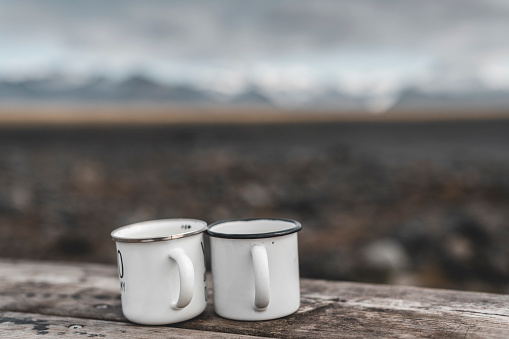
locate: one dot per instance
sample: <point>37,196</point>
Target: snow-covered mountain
<point>143,89</point>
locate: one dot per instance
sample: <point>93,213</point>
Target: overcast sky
<point>374,45</point>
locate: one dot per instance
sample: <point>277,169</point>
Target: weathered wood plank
<point>337,309</point>
<point>81,290</point>
<point>29,325</point>
<point>408,298</point>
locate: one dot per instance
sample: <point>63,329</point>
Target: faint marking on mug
<point>122,286</point>
<point>185,227</point>
<point>121,265</point>
<point>202,248</point>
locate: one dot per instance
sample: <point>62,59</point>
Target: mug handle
<point>186,273</point>
<point>261,275</point>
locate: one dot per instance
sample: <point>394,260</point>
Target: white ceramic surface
<point>255,268</point>
<point>161,267</point>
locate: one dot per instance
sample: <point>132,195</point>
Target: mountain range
<point>141,89</point>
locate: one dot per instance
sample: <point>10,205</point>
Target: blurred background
<point>382,126</point>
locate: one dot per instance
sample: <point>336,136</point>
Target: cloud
<point>200,40</point>
<point>229,29</point>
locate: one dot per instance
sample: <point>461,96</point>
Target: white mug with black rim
<point>161,266</point>
<point>255,268</point>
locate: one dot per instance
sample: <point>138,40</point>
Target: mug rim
<point>296,227</point>
<point>154,239</point>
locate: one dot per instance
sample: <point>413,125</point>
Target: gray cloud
<point>254,29</point>
<point>460,38</point>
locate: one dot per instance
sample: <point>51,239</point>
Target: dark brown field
<point>422,202</point>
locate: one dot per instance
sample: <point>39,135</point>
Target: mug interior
<point>253,228</point>
<point>158,230</point>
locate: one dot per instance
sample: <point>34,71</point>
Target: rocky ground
<point>410,203</point>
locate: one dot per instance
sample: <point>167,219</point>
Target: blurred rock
<point>255,195</point>
<point>459,247</point>
<point>87,175</point>
<point>386,254</point>
<point>22,196</point>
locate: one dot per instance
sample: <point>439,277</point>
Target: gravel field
<point>422,204</point>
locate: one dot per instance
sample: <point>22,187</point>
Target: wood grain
<point>328,309</point>
<point>27,325</point>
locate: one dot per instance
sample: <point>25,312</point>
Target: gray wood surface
<point>58,293</point>
<point>28,325</point>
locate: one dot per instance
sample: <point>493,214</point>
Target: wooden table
<point>83,301</point>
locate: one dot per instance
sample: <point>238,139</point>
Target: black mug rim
<point>296,227</point>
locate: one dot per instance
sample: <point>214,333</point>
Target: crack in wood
<point>481,313</point>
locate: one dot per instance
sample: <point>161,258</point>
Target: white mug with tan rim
<point>255,268</point>
<point>161,266</point>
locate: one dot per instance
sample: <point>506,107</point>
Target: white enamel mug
<point>161,266</point>
<point>255,268</point>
